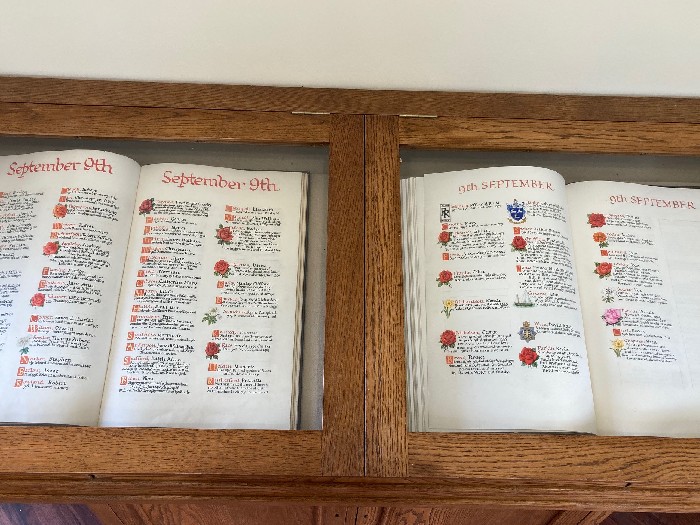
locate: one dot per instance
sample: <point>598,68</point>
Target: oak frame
<point>544,470</point>
<point>69,463</point>
<point>344,463</point>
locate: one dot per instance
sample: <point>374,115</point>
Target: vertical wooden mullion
<point>343,437</point>
<point>386,438</point>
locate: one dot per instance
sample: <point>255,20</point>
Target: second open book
<point>532,305</point>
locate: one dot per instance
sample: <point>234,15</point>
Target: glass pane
<point>643,169</point>
<point>507,269</point>
<point>311,160</point>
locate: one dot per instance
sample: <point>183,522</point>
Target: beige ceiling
<point>557,46</point>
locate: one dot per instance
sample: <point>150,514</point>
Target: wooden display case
<point>363,454</point>
<point>71,463</point>
<point>559,471</point>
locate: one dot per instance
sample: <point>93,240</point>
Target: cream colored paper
<point>479,382</point>
<point>66,217</point>
<point>160,372</point>
<point>645,359</point>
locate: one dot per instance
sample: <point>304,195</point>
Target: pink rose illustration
<point>612,316</point>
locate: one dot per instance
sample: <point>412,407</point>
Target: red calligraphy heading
<point>507,184</point>
<point>652,202</point>
<point>20,170</point>
<point>218,181</point>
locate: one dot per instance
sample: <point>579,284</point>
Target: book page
<point>638,271</point>
<point>207,322</point>
<point>505,339</point>
<point>64,225</point>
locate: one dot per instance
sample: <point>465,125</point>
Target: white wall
<point>560,46</point>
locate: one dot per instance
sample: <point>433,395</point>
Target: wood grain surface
<point>551,135</point>
<point>553,457</point>
<point>415,474</point>
<point>343,441</point>
<point>78,450</point>
<point>211,514</point>
<point>348,101</point>
<point>105,122</point>
<point>424,492</point>
<point>248,514</point>
<point>386,368</point>
<point>453,516</point>
<point>105,514</point>
<point>91,451</point>
<point>644,518</point>
<point>573,517</point>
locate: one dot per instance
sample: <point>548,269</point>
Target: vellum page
<point>504,331</point>
<point>637,263</point>
<point>206,325</point>
<point>64,225</point>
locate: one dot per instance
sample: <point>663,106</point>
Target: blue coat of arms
<point>527,333</point>
<point>516,212</point>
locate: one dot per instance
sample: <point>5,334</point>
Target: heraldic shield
<point>516,212</point>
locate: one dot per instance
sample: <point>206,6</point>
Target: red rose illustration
<point>224,234</point>
<point>222,268</point>
<point>528,356</point>
<point>603,269</point>
<point>146,207</point>
<point>596,220</point>
<point>444,278</point>
<point>211,350</point>
<point>60,210</point>
<point>37,299</point>
<point>444,237</point>
<point>519,243</point>
<point>448,339</point>
<point>51,248</point>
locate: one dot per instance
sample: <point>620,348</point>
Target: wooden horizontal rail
<point>551,135</point>
<point>352,491</point>
<point>75,450</point>
<point>555,457</point>
<point>348,101</point>
<point>46,120</point>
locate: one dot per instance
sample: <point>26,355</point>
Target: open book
<point>532,305</point>
<point>163,295</point>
